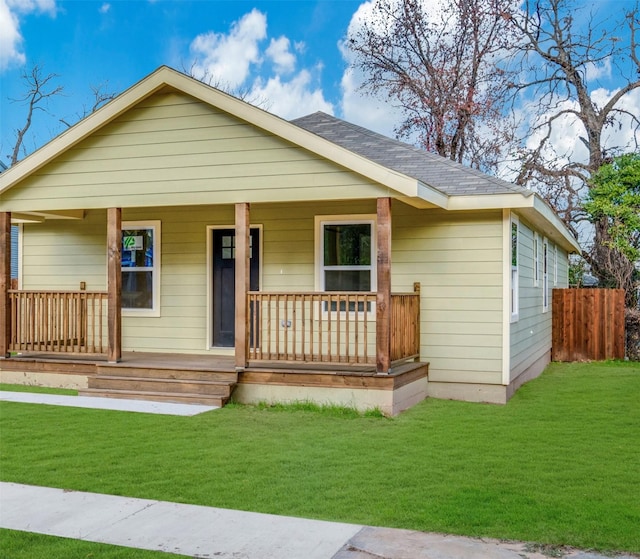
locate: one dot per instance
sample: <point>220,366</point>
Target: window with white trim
<point>545,275</point>
<point>555,264</point>
<point>515,224</point>
<point>141,268</point>
<point>536,260</point>
<point>346,254</point>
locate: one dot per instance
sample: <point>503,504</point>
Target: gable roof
<point>449,177</point>
<point>405,187</point>
<point>409,174</point>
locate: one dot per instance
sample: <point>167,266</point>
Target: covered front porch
<point>280,336</point>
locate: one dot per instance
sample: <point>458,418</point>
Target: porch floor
<point>195,362</point>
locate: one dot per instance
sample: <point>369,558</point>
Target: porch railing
<point>58,321</point>
<point>332,327</point>
<point>405,324</point>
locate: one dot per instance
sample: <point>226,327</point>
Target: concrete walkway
<point>209,532</point>
<point>138,406</point>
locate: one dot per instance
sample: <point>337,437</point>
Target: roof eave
<point>531,206</point>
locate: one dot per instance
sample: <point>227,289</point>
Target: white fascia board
<point>433,196</point>
<point>531,206</point>
<point>555,227</point>
<point>490,201</point>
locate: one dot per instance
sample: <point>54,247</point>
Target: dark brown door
<point>224,285</point>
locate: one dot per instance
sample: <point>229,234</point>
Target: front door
<point>224,282</point>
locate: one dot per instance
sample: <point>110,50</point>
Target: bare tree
<point>39,89</point>
<point>242,93</point>
<point>559,53</point>
<point>100,97</point>
<point>440,62</point>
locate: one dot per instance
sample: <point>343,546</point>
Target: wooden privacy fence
<point>58,321</point>
<point>588,324</point>
<point>329,327</point>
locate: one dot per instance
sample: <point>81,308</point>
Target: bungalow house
<point>181,244</point>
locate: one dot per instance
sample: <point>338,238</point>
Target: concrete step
<point>178,398</point>
<point>217,388</point>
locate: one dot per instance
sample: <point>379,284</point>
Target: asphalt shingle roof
<point>441,173</point>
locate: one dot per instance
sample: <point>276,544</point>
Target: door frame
<point>209,275</point>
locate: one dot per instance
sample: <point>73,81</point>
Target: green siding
<point>457,258</point>
<point>531,333</point>
<point>171,147</point>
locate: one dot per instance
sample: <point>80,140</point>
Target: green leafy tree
<point>614,199</point>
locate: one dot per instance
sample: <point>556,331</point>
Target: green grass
<point>559,464</point>
<point>26,545</point>
<point>38,389</point>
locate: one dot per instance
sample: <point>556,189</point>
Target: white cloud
<point>564,141</point>
<point>28,6</point>
<point>237,60</point>
<point>293,98</point>
<point>598,71</point>
<point>621,136</point>
<point>283,59</point>
<point>10,38</point>
<point>228,58</point>
<point>365,110</point>
<point>11,41</point>
<point>105,8</point>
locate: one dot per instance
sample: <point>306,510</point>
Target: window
<point>346,255</point>
<point>536,260</point>
<point>141,267</point>
<point>555,265</point>
<point>514,268</point>
<point>545,276</point>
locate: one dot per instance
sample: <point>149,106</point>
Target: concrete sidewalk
<point>199,531</point>
<point>93,402</point>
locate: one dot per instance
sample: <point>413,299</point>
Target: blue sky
<point>286,53</point>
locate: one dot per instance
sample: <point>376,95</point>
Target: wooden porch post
<point>114,284</point>
<point>5,282</point>
<point>242,271</point>
<point>383,297</point>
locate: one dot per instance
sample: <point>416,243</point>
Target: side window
<point>141,268</point>
<point>536,260</point>
<point>545,275</point>
<point>514,268</point>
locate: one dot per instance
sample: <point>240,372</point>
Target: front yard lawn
<point>559,464</point>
